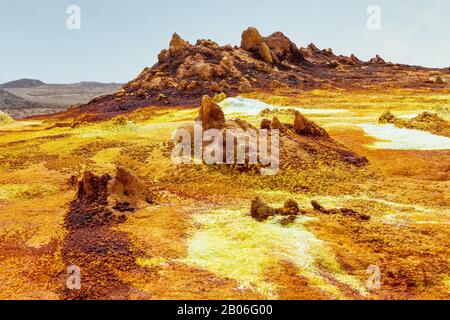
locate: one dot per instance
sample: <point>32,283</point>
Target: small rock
<point>215,87</point>
<point>245,86</point>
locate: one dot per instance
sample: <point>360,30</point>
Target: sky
<point>117,39</point>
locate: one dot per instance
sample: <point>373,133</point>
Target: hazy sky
<point>119,38</point>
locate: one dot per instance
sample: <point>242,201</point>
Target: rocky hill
<point>14,105</point>
<point>185,72</point>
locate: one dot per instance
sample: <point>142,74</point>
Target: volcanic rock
<point>184,73</point>
<point>260,210</point>
<point>282,48</point>
<point>101,199</point>
<point>377,60</point>
<point>342,211</point>
<point>251,39</point>
<point>177,44</point>
<point>245,86</point>
<point>211,115</point>
<point>215,87</point>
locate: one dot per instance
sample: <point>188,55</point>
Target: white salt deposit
<point>394,138</point>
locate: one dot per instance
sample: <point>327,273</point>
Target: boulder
<point>211,115</point>
<point>260,210</point>
<point>282,48</point>
<point>251,39</point>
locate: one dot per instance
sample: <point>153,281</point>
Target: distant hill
<point>22,83</point>
<point>21,98</point>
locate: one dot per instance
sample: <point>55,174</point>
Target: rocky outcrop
<point>387,117</point>
<point>306,142</point>
<point>265,53</point>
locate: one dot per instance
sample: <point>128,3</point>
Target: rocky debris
<point>126,188</point>
<point>276,124</point>
<point>438,80</point>
<point>425,121</point>
<point>101,199</point>
<point>341,211</point>
<point>260,211</point>
<point>215,87</point>
<point>304,126</point>
<point>211,115</point>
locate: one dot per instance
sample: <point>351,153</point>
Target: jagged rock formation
<point>425,121</point>
<point>185,72</point>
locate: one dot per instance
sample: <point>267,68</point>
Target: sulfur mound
<point>5,118</point>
